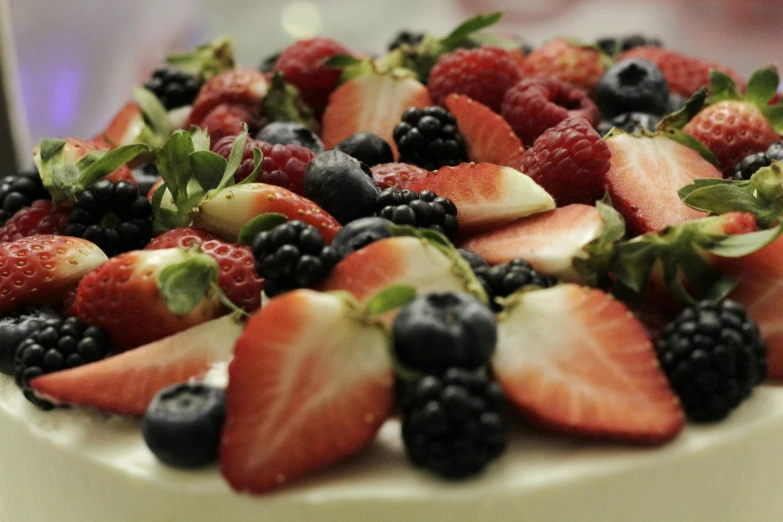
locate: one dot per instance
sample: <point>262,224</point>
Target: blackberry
<point>429,138</point>
<point>505,279</point>
<point>405,38</point>
<point>474,260</point>
<point>17,192</point>
<point>292,255</point>
<point>750,165</point>
<point>453,425</point>
<point>422,210</point>
<point>113,216</point>
<point>174,88</point>
<point>15,327</point>
<point>57,344</point>
<point>713,356</point>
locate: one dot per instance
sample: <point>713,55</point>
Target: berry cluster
<point>754,162</point>
<point>429,138</point>
<point>18,192</point>
<point>504,279</point>
<point>174,88</point>
<point>422,210</point>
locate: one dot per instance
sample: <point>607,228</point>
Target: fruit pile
<point>460,230</point>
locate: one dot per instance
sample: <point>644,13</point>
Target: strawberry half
<point>125,127</point>
<point>488,137</point>
<point>234,86</point>
<point>597,378</point>
<point>486,195</point>
<point>126,383</point>
<point>311,382</point>
<point>399,175</point>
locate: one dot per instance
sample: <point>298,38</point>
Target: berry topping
<point>174,88</point>
<point>18,192</point>
<point>366,147</point>
<point>57,344</point>
<point>429,138</point>
<point>505,279</point>
<point>183,423</point>
<point>453,425</point>
<point>17,325</point>
<point>422,210</point>
<point>360,233</point>
<point>290,133</point>
<point>405,37</point>
<point>113,216</point>
<point>629,122</point>
<point>633,85</point>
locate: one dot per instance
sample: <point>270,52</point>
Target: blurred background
<point>71,64</point>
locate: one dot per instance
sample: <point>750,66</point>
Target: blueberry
<point>368,148</point>
<point>183,424</point>
<point>438,331</point>
<point>288,132</point>
<point>474,260</point>
<point>341,185</point>
<point>632,86</point>
<point>360,233</point>
<point>17,325</point>
<point>630,123</point>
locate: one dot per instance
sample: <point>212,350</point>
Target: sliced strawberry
<point>235,86</point>
<point>226,212</point>
<point>126,383</point>
<point>399,175</point>
<point>598,377</point>
<point>125,127</point>
<point>550,241</point>
<point>645,175</point>
<point>486,195</point>
<point>488,137</point>
<point>310,384</point>
<point>371,103</point>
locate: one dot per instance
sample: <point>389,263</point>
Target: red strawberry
<point>68,308</point>
<point>570,161</point>
<point>40,270</point>
<point>226,119</point>
<point>126,383</point>
<point>226,212</point>
<point>124,128</point>
<point>371,103</point>
<point>486,195</point>
<point>302,65</point>
<point>484,74</point>
<point>535,105</point>
<point>244,87</point>
<point>238,278</point>
<point>127,297</point>
<point>155,186</point>
<point>398,175</point>
<point>488,137</point>
<point>645,175</point>
<point>581,66</point>
<point>309,385</point>
<point>39,218</point>
<point>76,148</point>
<point>550,241</point>
<point>597,378</point>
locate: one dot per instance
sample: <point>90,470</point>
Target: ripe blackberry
<point>714,356</point>
<point>474,259</point>
<point>505,279</point>
<point>17,192</point>
<point>453,425</point>
<point>405,37</point>
<point>174,88</point>
<point>750,165</point>
<point>56,345</point>
<point>292,255</point>
<point>422,210</point>
<point>428,138</point>
<point>113,216</point>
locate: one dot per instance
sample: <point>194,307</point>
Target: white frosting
<point>80,466</point>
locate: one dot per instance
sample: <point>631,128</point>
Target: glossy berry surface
<point>750,165</point>
<point>421,210</point>
<point>633,85</point>
<point>18,192</point>
<point>429,138</point>
<point>15,327</point>
<point>360,233</point>
<point>174,88</point>
<point>183,424</point>
<point>505,279</point>
<point>366,147</point>
<point>290,133</point>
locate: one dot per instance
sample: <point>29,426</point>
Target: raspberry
<point>226,120</point>
<point>302,65</point>
<point>35,220</point>
<point>533,106</point>
<point>283,165</point>
<point>483,74</point>
<point>570,161</point>
<point>399,175</point>
<point>580,66</point>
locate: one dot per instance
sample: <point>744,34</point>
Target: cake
<point>266,316</point>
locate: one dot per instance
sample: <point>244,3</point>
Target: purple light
<point>63,96</point>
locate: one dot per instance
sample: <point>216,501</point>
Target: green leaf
<point>468,27</point>
<point>200,138</point>
<point>390,298</point>
<point>719,199</point>
<point>108,163</point>
<point>720,289</point>
<point>49,148</point>
<point>173,161</point>
<point>774,113</point>
<point>704,182</point>
<point>259,224</point>
<point>740,245</point>
<point>723,87</point>
<point>768,182</point>
<point>206,60</point>
<point>234,159</point>
<point>284,103</point>
<point>632,264</point>
<point>154,111</point>
<point>341,61</point>
<point>762,86</point>
<point>678,119</point>
<point>258,157</point>
<point>64,178</point>
<point>208,168</point>
<point>184,285</point>
<point>614,224</point>
<point>691,142</point>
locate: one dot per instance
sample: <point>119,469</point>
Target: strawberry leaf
<point>283,102</point>
<point>206,60</point>
<point>458,36</point>
<point>390,298</point>
<point>722,198</point>
<point>774,114</point>
<point>106,163</point>
<point>64,179</point>
<point>707,182</point>
<point>743,244</point>
<point>208,168</point>
<point>50,148</point>
<point>258,157</point>
<point>234,159</point>
<point>154,113</point>
<point>678,119</point>
<point>258,224</point>
<point>632,265</point>
<point>174,164</point>
<point>600,252</point>
<point>762,86</point>
<point>184,285</point>
<point>338,61</point>
<point>723,88</point>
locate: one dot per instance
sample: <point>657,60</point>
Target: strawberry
<point>310,384</point>
<point>644,177</point>
<point>226,212</point>
<point>42,217</point>
<point>142,296</point>
<point>237,279</point>
<point>126,383</point>
<point>246,87</point>
<point>40,270</point>
<point>371,103</point>
<point>597,378</point>
<point>125,127</point>
<point>581,66</point>
<point>488,137</point>
<point>486,195</point>
<point>226,119</point>
<point>155,186</point>
<point>398,175</point>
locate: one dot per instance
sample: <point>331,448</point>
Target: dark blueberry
<point>360,233</point>
<point>268,65</point>
<point>173,87</point>
<point>341,185</point>
<point>630,123</point>
<point>405,38</point>
<point>146,176</point>
<point>422,210</point>
<point>632,85</point>
<point>18,192</point>
<point>15,327</point>
<point>183,424</point>
<point>750,165</point>
<point>444,330</point>
<point>505,279</point>
<point>429,138</point>
<point>290,132</point>
<point>368,148</point>
<point>775,151</point>
<point>474,260</point>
